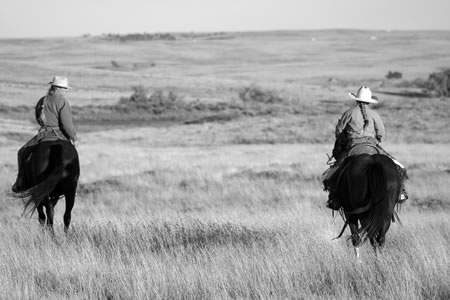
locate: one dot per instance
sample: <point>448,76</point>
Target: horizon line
<point>223,31</point>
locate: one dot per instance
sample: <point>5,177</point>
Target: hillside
<point>308,73</point>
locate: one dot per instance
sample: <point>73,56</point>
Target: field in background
<point>224,208</point>
<point>308,75</point>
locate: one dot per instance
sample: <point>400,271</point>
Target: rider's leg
<point>22,156</point>
<point>330,186</point>
<point>332,203</point>
<point>403,177</point>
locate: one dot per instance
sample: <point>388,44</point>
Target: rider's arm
<point>380,131</point>
<point>342,123</point>
<point>65,116</point>
<point>37,111</point>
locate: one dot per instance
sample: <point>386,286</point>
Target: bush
<point>115,64</point>
<point>256,94</point>
<point>394,75</point>
<point>139,94</point>
<point>439,83</point>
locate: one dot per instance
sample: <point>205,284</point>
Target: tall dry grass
<point>222,222</point>
<point>292,257</point>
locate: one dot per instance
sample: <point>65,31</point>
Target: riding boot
<point>329,185</point>
<point>332,203</point>
<point>18,185</point>
<point>21,157</point>
<point>403,177</point>
<point>403,193</point>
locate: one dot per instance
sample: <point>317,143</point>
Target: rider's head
<point>364,95</point>
<point>58,83</point>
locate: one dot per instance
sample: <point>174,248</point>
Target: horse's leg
<point>41,214</point>
<point>381,238</point>
<point>356,239</point>
<point>50,211</point>
<point>374,243</point>
<point>378,241</point>
<point>70,201</point>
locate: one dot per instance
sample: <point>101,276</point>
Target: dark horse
<point>368,189</point>
<point>52,171</point>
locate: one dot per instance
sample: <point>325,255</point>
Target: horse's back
<point>359,172</point>
<point>61,151</point>
<point>49,156</point>
<point>361,162</point>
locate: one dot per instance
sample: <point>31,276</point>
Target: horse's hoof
<point>16,188</point>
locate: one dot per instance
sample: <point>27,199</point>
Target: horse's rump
<point>368,187</point>
<point>52,167</point>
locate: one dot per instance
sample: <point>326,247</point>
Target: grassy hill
<point>201,160</point>
<point>311,71</point>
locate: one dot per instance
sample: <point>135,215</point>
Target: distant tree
<point>115,64</point>
<point>394,75</point>
<point>439,83</point>
<point>139,94</point>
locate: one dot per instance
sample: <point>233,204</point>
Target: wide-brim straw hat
<point>61,82</point>
<point>364,94</point>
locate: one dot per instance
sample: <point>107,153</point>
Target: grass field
<point>229,209</point>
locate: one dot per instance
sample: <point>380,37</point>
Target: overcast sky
<point>49,18</point>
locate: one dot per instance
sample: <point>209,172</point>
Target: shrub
<point>394,75</point>
<point>139,94</point>
<point>256,94</point>
<point>439,83</point>
<point>115,64</point>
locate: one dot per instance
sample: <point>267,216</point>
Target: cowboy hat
<point>364,94</point>
<point>61,82</point>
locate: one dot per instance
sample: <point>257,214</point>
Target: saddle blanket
<point>357,150</point>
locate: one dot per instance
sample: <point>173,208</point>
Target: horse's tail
<point>379,202</point>
<point>36,195</point>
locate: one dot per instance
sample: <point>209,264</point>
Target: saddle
<point>358,149</point>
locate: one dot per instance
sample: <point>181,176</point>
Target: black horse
<point>368,189</point>
<point>51,171</point>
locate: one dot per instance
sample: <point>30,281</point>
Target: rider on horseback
<point>359,125</point>
<point>54,115</point>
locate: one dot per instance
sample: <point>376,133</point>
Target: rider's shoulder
<point>349,110</point>
<point>57,99</point>
<point>373,111</point>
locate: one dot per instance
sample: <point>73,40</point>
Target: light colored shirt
<point>352,122</point>
<point>58,114</point>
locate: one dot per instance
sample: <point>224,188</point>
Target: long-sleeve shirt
<point>58,114</point>
<point>352,122</point>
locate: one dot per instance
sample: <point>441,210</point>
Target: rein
<point>343,227</point>
<point>342,212</point>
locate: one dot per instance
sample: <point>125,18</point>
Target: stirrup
<point>403,197</point>
<point>333,205</point>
